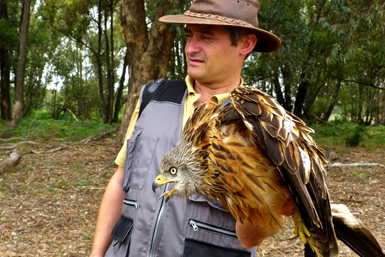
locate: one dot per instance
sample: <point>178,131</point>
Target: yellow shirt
<point>191,98</point>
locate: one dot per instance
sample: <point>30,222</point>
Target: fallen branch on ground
<point>290,245</point>
<point>356,164</point>
<point>89,139</point>
<point>50,151</point>
<point>106,167</point>
<point>12,138</point>
<point>12,160</point>
<point>13,146</point>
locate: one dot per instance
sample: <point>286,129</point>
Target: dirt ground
<point>49,202</point>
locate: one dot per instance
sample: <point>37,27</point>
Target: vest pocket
<point>195,248</point>
<point>121,230</point>
<point>196,225</point>
<point>139,154</point>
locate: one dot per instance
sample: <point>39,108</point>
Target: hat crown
<point>245,10</point>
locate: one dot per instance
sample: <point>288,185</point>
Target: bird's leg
<point>300,227</point>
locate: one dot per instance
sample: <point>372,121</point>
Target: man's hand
<point>250,236</point>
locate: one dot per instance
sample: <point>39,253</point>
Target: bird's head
<point>181,166</point>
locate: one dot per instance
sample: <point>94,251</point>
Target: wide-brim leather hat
<point>237,13</point>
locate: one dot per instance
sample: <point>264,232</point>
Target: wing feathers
<point>254,144</point>
<point>351,231</point>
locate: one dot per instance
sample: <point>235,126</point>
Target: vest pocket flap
<point>195,248</point>
<point>129,157</point>
<point>122,229</point>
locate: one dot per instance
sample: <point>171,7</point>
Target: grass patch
<point>43,127</point>
<point>349,135</point>
<point>361,175</point>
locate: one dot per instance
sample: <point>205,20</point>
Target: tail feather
<point>352,232</point>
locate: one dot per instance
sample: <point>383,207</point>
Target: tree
<point>319,41</point>
<point>19,101</point>
<point>148,47</point>
<point>5,63</point>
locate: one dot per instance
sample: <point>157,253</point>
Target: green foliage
<point>40,125</point>
<point>355,137</point>
<point>347,134</point>
<point>361,175</point>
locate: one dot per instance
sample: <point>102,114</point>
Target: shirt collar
<point>216,99</point>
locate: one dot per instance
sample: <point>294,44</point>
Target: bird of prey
<point>251,155</point>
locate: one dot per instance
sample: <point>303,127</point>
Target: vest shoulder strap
<point>163,90</point>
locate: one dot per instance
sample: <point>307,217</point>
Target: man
<point>220,35</point>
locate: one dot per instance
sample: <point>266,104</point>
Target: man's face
<point>210,56</point>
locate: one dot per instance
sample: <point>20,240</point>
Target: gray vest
<point>190,227</point>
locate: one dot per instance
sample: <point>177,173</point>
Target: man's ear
<point>248,43</point>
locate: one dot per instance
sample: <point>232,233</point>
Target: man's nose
<point>192,46</point>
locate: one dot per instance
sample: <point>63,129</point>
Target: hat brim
<point>267,42</point>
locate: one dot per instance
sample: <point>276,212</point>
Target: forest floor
<point>49,202</point>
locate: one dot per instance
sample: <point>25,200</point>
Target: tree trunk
<point>301,94</point>
<point>112,69</point>
<point>120,90</point>
<point>382,95</point>
<point>99,62</point>
<point>19,102</point>
<point>333,101</point>
<point>5,69</point>
<point>148,52</point>
<point>277,90</point>
<point>286,74</point>
<point>107,52</point>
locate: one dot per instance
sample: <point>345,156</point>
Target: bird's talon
<point>300,228</point>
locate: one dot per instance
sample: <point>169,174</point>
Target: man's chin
<point>195,75</point>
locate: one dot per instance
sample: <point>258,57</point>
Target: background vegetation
<point>70,73</point>
<point>88,59</point>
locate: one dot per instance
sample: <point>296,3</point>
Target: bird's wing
<point>196,126</point>
<point>286,140</point>
<point>239,173</point>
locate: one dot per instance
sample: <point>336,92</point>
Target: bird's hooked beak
<point>158,182</point>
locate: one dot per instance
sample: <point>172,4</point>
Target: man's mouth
<point>195,61</point>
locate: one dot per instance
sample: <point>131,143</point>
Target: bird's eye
<point>173,170</point>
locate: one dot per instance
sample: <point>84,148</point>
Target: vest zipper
<point>196,225</point>
<point>131,202</point>
<point>160,213</point>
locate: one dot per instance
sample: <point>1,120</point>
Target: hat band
<point>231,21</point>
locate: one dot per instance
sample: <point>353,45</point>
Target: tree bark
<point>112,68</point>
<point>333,101</point>
<point>120,90</point>
<point>286,74</point>
<point>382,95</point>
<point>148,52</point>
<point>301,94</point>
<point>19,102</point>
<point>99,62</point>
<point>5,69</point>
<point>277,89</point>
<point>110,85</point>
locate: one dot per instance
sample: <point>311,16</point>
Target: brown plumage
<point>252,156</point>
